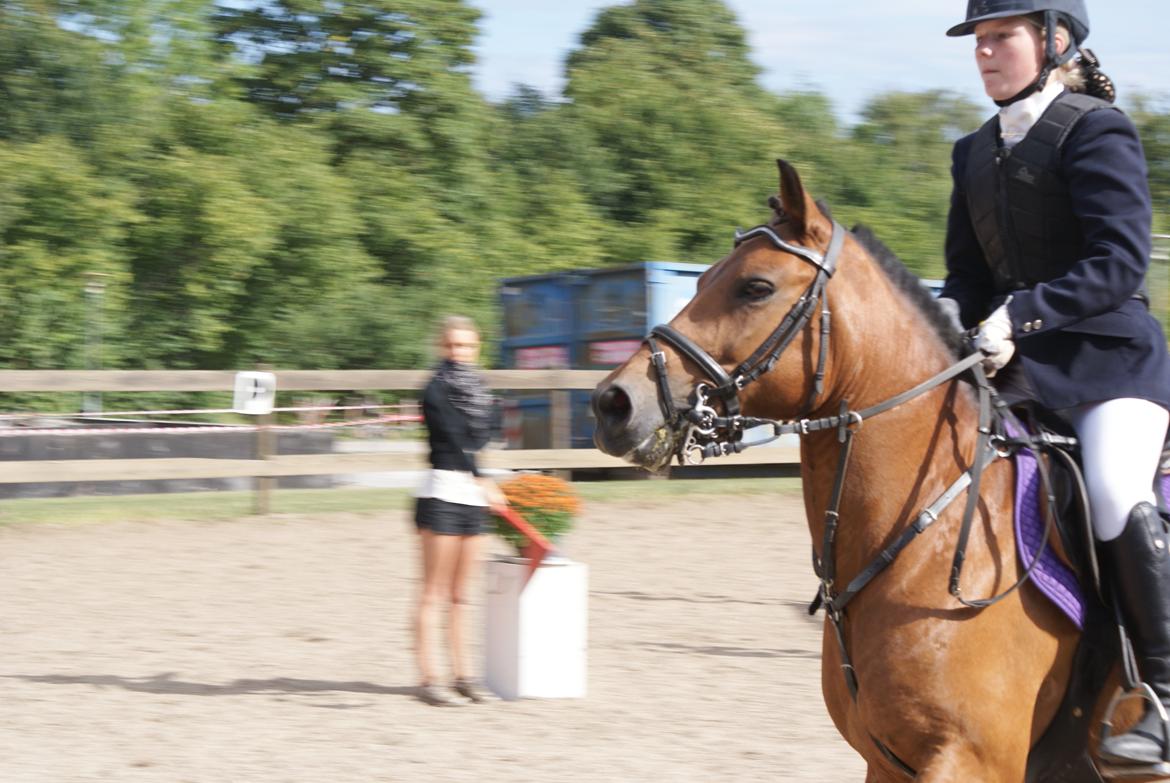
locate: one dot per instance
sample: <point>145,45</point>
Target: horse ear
<point>799,208</point>
<point>792,195</point>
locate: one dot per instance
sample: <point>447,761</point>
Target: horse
<point>921,685</point>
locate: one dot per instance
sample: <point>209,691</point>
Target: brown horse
<point>946,692</point>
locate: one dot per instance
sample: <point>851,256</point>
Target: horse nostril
<point>613,406</point>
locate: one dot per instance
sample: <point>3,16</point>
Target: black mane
<point>910,284</point>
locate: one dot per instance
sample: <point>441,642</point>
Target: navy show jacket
<point>1082,336</point>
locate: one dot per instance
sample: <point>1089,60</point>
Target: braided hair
<point>1095,82</point>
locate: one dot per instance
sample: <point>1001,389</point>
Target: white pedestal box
<point>535,638</point>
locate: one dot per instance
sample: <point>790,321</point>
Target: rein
<point>710,435</point>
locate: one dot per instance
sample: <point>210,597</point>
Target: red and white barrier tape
<point>190,412</point>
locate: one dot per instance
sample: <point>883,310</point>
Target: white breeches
<point>1121,442</point>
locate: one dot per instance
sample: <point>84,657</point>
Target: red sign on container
<point>611,353</point>
<point>543,357</point>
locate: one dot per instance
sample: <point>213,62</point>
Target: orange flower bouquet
<point>548,503</point>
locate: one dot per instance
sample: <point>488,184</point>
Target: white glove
<point>995,340</point>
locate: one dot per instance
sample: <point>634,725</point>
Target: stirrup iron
<point>1114,771</point>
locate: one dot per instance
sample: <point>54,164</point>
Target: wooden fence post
<point>560,422</point>
<point>265,449</point>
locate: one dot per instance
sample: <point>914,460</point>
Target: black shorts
<point>449,519</point>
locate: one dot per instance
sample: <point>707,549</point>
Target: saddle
<point>1052,444</point>
<point>1073,531</point>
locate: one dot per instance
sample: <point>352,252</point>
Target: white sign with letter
<point>255,393</point>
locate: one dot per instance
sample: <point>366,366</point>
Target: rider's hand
<point>994,339</point>
<point>492,493</point>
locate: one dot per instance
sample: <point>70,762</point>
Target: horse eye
<point>757,290</point>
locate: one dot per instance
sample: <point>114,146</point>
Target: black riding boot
<point>1140,561</point>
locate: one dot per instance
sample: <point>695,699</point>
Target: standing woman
<point>452,505</point>
<point>1048,243</point>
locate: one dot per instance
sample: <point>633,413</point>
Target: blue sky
<point>848,49</point>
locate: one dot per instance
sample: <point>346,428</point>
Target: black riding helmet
<point>1071,12</point>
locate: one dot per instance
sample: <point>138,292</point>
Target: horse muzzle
<point>630,425</point>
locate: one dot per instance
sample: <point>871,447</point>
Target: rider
<point>1048,242</point>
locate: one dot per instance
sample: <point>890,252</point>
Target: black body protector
<point>1018,200</point>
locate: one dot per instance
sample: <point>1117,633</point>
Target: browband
<point>826,263</point>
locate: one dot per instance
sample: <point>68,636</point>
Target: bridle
<point>709,434</point>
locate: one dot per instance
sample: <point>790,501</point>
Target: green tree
<point>59,224</point>
<point>318,264</point>
<point>901,172</point>
<point>538,153</point>
<point>687,38</point>
<point>322,56</point>
<point>55,78</point>
<point>1153,124</point>
<point>683,137</point>
<point>203,235</point>
<point>388,84</point>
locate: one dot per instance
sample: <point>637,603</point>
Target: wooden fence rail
<point>286,380</point>
<point>560,382</point>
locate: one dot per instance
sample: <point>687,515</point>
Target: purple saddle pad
<point>1054,579</point>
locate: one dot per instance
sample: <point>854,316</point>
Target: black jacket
<point>453,444</point>
<point>1081,336</point>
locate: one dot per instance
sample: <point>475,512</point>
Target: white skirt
<point>453,486</point>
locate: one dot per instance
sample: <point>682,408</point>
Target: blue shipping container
<point>584,319</point>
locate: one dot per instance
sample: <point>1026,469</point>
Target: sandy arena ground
<point>278,649</point>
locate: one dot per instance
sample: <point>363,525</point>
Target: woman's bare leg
<point>465,563</point>
<point>439,554</point>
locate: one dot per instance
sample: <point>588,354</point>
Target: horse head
<point>743,345</point>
